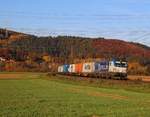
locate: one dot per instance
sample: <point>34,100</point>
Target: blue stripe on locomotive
<point>101,66</point>
<point>65,68</point>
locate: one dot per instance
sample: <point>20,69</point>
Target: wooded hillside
<point>38,53</point>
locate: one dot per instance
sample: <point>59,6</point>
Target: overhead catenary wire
<point>77,19</point>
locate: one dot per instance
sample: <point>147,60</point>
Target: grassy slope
<point>42,97</point>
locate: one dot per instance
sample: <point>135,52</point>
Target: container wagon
<point>78,68</point>
<point>88,69</point>
<point>71,69</point>
<point>66,69</point>
<point>101,69</point>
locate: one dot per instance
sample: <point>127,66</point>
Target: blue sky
<point>120,19</point>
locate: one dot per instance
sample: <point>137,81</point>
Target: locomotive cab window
<point>121,64</point>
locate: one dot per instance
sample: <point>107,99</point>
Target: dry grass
<point>11,76</point>
<point>142,78</point>
<point>18,75</point>
<point>98,94</point>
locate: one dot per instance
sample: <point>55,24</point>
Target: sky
<point>128,20</point>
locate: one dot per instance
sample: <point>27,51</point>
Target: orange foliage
<point>119,48</point>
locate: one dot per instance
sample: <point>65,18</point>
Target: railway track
<point>130,78</point>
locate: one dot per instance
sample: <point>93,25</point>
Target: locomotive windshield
<point>120,64</point>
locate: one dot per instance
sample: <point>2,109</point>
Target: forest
<point>23,52</point>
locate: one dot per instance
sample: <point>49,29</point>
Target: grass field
<point>37,95</point>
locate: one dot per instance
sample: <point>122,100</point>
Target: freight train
<point>101,69</point>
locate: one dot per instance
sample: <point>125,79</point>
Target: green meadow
<point>37,95</point>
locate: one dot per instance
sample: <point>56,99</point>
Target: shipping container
<point>101,66</point>
<point>71,68</point>
<point>78,67</point>
<point>88,67</point>
<point>60,69</point>
<point>65,68</point>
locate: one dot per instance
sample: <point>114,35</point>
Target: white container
<point>71,68</point>
<point>88,67</point>
<point>60,69</point>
